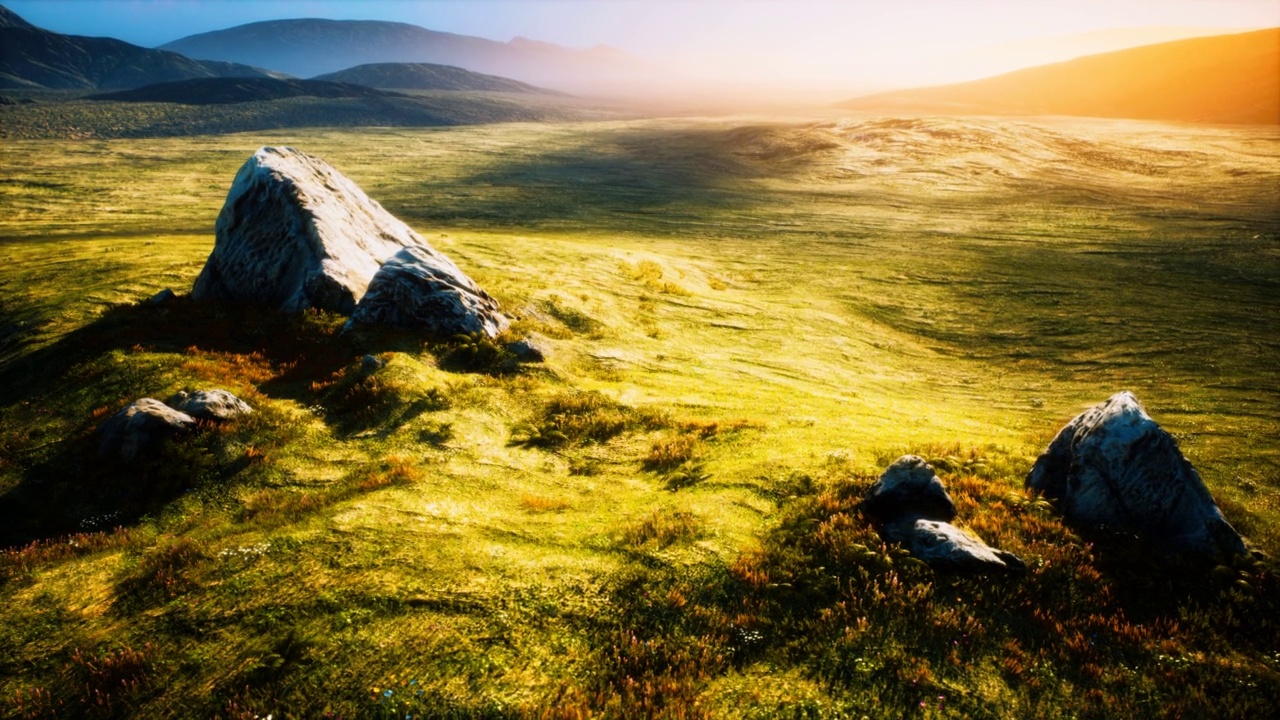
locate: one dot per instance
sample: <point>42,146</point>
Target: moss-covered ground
<point>745,321</point>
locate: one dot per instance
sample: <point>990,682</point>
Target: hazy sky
<point>894,42</point>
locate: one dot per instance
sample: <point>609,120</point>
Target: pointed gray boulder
<point>140,427</point>
<point>912,508</point>
<point>421,289</point>
<point>295,233</point>
<point>1114,468</point>
<point>215,405</point>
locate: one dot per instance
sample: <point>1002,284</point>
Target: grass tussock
<point>662,528</point>
<point>576,418</point>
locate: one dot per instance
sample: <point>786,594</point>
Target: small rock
<point>944,546</point>
<point>164,296</point>
<point>908,487</point>
<point>140,427</point>
<point>527,350</point>
<point>371,364</point>
<point>421,289</point>
<point>216,405</point>
<point>1113,468</point>
<point>911,507</point>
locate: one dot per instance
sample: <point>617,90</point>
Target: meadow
<point>746,321</point>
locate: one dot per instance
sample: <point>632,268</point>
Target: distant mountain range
<point>1219,79</point>
<point>35,58</point>
<point>222,91</point>
<point>427,76</point>
<point>311,47</point>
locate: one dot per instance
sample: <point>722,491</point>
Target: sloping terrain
<point>10,19</point>
<point>1219,79</point>
<point>744,323</point>
<point>426,76</point>
<point>312,47</point>
<point>34,58</point>
<point>71,116</point>
<point>218,91</point>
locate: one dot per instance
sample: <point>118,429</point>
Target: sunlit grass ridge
<point>745,323</point>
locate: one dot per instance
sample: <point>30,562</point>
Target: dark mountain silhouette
<point>311,47</point>
<point>427,76</point>
<point>35,58</point>
<point>10,19</point>
<point>1218,79</point>
<point>221,91</point>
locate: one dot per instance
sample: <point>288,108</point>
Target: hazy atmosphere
<point>833,47</point>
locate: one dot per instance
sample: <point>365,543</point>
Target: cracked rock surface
<point>1113,468</point>
<point>912,508</point>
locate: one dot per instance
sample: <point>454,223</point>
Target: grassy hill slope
<point>745,323</point>
<point>219,91</point>
<point>426,76</point>
<point>1220,79</point>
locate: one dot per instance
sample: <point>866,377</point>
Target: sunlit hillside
<point>1221,79</point>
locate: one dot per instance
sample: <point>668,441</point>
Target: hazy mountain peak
<point>309,48</point>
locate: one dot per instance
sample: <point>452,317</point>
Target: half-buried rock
<point>911,507</point>
<point>295,233</point>
<point>215,405</point>
<point>140,427</point>
<point>421,289</point>
<point>1114,469</point>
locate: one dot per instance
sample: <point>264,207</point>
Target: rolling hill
<point>312,47</point>
<point>1218,79</point>
<point>221,91</point>
<point>427,76</point>
<point>34,58</point>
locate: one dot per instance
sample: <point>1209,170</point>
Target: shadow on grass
<point>672,178</point>
<point>54,397</point>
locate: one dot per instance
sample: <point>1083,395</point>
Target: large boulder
<point>140,427</point>
<point>1113,468</point>
<point>421,289</point>
<point>295,233</point>
<point>912,508</point>
<point>214,405</point>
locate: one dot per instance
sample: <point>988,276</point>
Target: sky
<point>835,43</point>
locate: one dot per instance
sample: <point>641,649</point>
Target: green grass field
<point>747,321</point>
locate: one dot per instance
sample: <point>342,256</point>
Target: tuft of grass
<point>670,452</point>
<point>540,504</point>
<point>584,417</point>
<point>662,528</point>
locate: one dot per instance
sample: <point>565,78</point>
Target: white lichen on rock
<point>1113,468</point>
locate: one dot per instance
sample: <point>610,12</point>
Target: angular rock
<point>911,507</point>
<point>908,487</point>
<point>295,233</point>
<point>1113,468</point>
<point>421,289</point>
<point>140,427</point>
<point>216,405</point>
<point>370,364</point>
<point>164,296</point>
<point>528,350</point>
<point>944,546</point>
